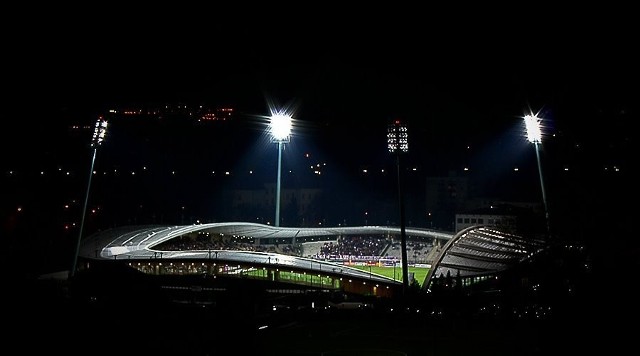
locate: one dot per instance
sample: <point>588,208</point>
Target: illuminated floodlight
<point>398,142</point>
<point>397,137</point>
<point>534,134</point>
<point>280,127</point>
<point>99,132</point>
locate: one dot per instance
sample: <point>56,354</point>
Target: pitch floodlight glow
<point>532,123</point>
<point>280,127</point>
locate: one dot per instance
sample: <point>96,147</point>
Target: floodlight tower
<point>99,133</point>
<point>398,143</point>
<point>534,135</point>
<point>280,128</point>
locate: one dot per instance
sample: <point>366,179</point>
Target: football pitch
<point>419,273</point>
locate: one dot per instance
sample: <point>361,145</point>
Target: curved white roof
<point>481,250</point>
<point>138,242</point>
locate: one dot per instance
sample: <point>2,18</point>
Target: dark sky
<point>457,76</point>
<point>339,67</point>
<point>470,74</point>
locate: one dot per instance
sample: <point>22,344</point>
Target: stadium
<point>203,261</point>
<point>290,290</point>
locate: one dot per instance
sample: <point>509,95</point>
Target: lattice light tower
<point>398,143</point>
<point>99,133</point>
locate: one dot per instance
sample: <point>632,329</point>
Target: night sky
<point>462,86</point>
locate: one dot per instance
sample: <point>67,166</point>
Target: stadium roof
<point>480,250</point>
<point>138,242</point>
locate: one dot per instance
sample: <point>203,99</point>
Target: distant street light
<point>99,133</point>
<point>280,127</point>
<point>534,135</point>
<point>398,143</point>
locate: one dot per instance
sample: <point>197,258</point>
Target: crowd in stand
<point>344,247</point>
<point>354,246</point>
<point>204,243</point>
